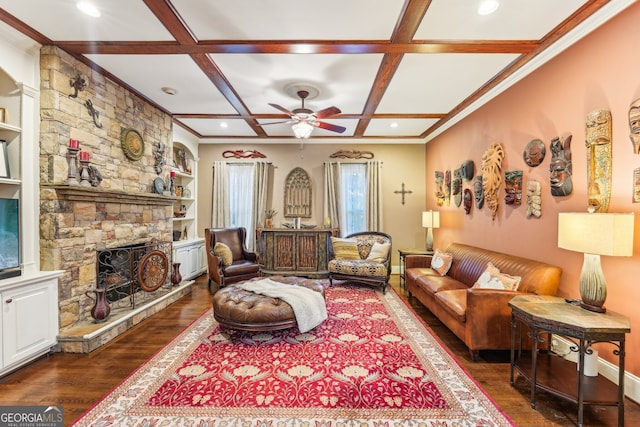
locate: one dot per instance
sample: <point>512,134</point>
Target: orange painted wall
<point>601,71</point>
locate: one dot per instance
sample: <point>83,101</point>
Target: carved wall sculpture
<point>447,187</point>
<point>478,192</point>
<point>456,187</point>
<point>468,201</point>
<point>492,176</point>
<point>560,167</point>
<point>513,188</point>
<point>636,185</point>
<point>439,175</point>
<point>634,125</point>
<point>598,141</point>
<point>352,154</point>
<point>297,194</point>
<point>534,153</point>
<point>534,199</point>
<point>467,169</point>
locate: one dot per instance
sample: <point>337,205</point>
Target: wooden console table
<point>546,315</point>
<point>295,252</point>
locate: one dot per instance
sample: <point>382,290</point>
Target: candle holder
<point>172,185</point>
<point>85,176</point>
<point>72,175</point>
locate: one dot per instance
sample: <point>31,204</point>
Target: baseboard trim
<point>560,346</point>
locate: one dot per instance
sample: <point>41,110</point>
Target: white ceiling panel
<point>439,82</point>
<point>398,127</point>
<point>219,127</point>
<point>290,19</point>
<point>150,73</point>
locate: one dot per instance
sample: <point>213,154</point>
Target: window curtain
<point>331,198</point>
<point>220,212</point>
<point>239,196</point>
<point>373,196</point>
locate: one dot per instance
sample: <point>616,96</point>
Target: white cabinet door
<point>29,321</point>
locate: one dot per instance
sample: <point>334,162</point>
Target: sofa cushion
<point>358,267</point>
<point>435,283</point>
<point>492,278</point>
<point>345,249</point>
<point>441,262</point>
<point>224,252</point>
<point>379,252</point>
<point>454,301</point>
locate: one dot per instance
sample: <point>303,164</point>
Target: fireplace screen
<point>133,273</point>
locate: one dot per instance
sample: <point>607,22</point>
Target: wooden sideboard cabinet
<point>295,252</point>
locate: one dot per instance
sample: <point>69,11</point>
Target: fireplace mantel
<point>91,194</point>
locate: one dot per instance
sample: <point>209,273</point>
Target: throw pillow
<point>441,262</point>
<point>345,248</point>
<point>379,252</point>
<point>224,252</point>
<point>492,278</point>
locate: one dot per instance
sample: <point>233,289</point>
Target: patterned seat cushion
<point>358,268</point>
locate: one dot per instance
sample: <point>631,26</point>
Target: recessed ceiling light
<point>169,90</point>
<point>224,125</point>
<point>394,125</point>
<point>88,8</point>
<point>487,7</point>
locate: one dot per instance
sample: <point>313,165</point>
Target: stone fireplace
<point>123,210</point>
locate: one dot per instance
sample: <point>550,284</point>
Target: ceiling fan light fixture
<point>302,130</point>
<point>487,7</point>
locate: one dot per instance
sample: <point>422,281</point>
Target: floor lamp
<point>595,234</point>
<point>430,220</point>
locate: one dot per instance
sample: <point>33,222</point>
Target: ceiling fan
<point>304,119</point>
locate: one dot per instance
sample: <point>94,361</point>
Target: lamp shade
<point>302,130</point>
<point>596,233</point>
<point>431,219</point>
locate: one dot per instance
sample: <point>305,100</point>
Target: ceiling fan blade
<point>284,110</point>
<point>276,123</point>
<point>329,126</point>
<point>328,112</point>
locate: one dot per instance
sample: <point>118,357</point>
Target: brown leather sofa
<point>481,318</point>
<point>245,263</point>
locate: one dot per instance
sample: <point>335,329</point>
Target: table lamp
<point>430,220</point>
<point>595,234</point>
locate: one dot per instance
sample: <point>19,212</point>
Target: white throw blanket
<point>308,305</point>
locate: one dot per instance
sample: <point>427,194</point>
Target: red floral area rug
<point>371,363</point>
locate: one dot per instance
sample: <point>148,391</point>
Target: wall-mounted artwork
<point>456,187</point>
<point>478,192</point>
<point>560,168</point>
<point>598,140</point>
<point>534,153</point>
<point>467,170</point>
<point>534,199</point>
<point>447,187</point>
<point>634,125</point>
<point>467,201</point>
<point>439,175</point>
<point>492,176</point>
<point>513,188</point>
<point>297,194</point>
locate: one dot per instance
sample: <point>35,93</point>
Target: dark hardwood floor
<point>77,381</point>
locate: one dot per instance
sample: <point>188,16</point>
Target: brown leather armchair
<point>245,264</point>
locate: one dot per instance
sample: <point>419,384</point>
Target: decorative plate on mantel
<point>132,144</point>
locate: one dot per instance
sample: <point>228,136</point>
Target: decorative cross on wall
<point>403,192</point>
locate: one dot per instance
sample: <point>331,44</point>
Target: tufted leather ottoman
<point>236,308</point>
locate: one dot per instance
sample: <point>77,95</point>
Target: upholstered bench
<point>236,308</point>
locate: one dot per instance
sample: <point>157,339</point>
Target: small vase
<point>176,277</point>
<point>268,223</point>
<point>101,308</point>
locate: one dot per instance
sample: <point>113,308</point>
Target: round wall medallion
<point>132,144</point>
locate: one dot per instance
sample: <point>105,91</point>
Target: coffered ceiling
<point>400,70</point>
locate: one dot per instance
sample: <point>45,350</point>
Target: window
<point>240,181</point>
<point>353,198</point>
